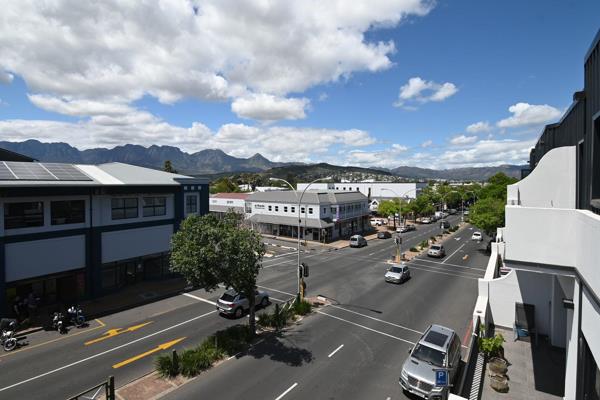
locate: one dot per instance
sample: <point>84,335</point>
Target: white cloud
<point>386,158</point>
<point>529,114</point>
<point>265,107</point>
<point>420,91</point>
<point>323,96</point>
<point>478,127</point>
<point>462,140</point>
<point>427,143</point>
<point>488,152</point>
<point>78,108</point>
<point>5,77</point>
<point>115,52</point>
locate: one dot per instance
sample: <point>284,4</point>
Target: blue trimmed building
<point>71,232</point>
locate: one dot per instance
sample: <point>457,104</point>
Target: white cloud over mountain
<point>462,140</point>
<point>266,107</point>
<point>479,127</point>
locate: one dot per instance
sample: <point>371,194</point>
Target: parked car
<point>444,224</point>
<point>357,241</point>
<point>426,220</point>
<point>406,228</point>
<point>376,222</point>
<point>436,250</point>
<point>438,348</point>
<point>477,236</point>
<point>236,304</point>
<point>397,273</point>
<point>384,235</point>
<point>466,212</point>
<point>452,211</point>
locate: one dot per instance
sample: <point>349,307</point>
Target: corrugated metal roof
<point>310,197</point>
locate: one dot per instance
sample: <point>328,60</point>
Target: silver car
<point>357,241</point>
<point>236,304</point>
<point>397,273</point>
<point>436,250</point>
<point>438,349</point>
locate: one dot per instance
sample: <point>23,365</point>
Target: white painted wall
<point>571,349</point>
<point>590,324</point>
<point>551,184</point>
<point>225,202</point>
<point>121,245</point>
<point>43,257</point>
<point>587,252</point>
<point>541,235</point>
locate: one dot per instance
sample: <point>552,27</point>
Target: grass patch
<point>414,249</point>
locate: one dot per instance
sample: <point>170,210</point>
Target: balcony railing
<point>595,206</point>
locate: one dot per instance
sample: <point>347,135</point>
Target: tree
<point>488,214</point>
<point>168,167</point>
<point>207,251</point>
<point>388,208</point>
<point>224,185</point>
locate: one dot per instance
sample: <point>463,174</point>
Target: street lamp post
<point>462,211</point>
<point>300,292</point>
<point>399,234</point>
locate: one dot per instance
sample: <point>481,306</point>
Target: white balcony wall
<point>551,184</point>
<point>587,252</point>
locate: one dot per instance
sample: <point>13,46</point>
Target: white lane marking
<point>199,299</point>
<point>376,319</point>
<point>372,253</point>
<point>106,352</point>
<point>456,251</point>
<point>285,254</point>
<point>275,290</point>
<point>366,327</point>
<point>287,391</point>
<point>335,351</point>
<point>425,269</point>
<point>458,238</point>
<point>427,260</point>
<point>451,271</point>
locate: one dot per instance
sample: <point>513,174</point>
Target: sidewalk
<point>312,245</point>
<point>128,297</point>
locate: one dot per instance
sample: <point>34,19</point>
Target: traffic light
<point>304,270</point>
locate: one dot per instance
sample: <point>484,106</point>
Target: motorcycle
<point>7,334</point>
<point>76,316</point>
<point>58,322</point>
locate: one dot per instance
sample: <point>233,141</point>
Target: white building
<point>551,242</point>
<point>71,232</point>
<point>220,203</point>
<point>326,215</point>
<point>373,190</point>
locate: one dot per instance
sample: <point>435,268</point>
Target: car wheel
<point>264,302</point>
<point>239,312</point>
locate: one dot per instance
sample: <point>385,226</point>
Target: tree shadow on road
<point>356,306</point>
<point>279,348</point>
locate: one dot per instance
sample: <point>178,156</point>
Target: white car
<point>477,236</point>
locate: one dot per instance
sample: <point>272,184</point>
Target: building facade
<point>373,190</point>
<point>547,255</point>
<point>221,203</point>
<point>71,232</point>
<point>324,215</point>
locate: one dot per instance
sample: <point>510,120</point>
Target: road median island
<point>423,246</point>
<point>178,368</point>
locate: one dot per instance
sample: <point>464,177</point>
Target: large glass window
<point>23,215</point>
<point>67,212</point>
<point>155,206</point>
<point>124,208</point>
<point>191,204</point>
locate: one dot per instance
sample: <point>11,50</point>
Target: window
<point>310,210</point>
<point>124,208</point>
<point>285,209</point>
<point>270,208</point>
<point>155,206</point>
<point>357,190</point>
<point>191,204</point>
<point>276,208</point>
<point>303,210</point>
<point>67,212</point>
<point>23,215</point>
<point>332,210</point>
<point>324,210</point>
<point>293,209</point>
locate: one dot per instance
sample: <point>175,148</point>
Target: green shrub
<point>194,361</point>
<point>424,244</point>
<point>414,249</point>
<point>232,340</point>
<point>446,231</point>
<point>491,347</point>
<point>302,307</point>
<point>167,365</point>
<point>432,238</point>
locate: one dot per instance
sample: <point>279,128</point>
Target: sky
<point>381,83</point>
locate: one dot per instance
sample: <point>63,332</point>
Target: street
<point>352,349</point>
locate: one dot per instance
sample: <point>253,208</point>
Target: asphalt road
<point>375,322</point>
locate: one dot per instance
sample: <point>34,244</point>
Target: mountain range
<point>215,161</point>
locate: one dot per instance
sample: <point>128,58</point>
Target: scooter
<point>76,316</point>
<point>7,335</point>
<point>58,322</point>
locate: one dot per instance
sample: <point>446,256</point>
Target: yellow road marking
<point>465,257</point>
<point>115,332</point>
<point>55,340</point>
<point>160,347</point>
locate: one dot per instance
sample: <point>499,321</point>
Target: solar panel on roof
<point>436,338</point>
<point>66,172</point>
<point>5,174</point>
<point>29,171</point>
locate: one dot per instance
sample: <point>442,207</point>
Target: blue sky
<point>382,83</point>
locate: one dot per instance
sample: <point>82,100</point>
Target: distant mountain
<point>203,162</point>
<point>458,174</point>
<point>322,170</point>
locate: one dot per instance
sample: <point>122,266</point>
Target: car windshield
<point>429,355</point>
<point>396,270</point>
<point>435,247</point>
<point>228,297</point>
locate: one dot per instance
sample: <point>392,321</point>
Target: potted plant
<point>493,350</point>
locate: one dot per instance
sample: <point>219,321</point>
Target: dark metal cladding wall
<point>592,90</point>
